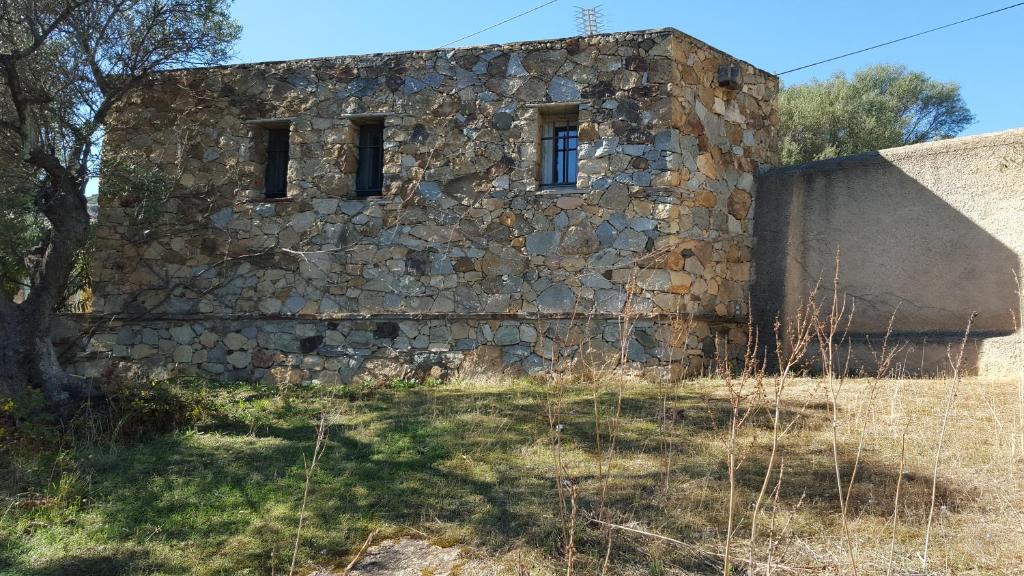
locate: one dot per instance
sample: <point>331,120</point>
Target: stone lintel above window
<point>560,107</point>
<point>271,122</point>
<point>366,117</point>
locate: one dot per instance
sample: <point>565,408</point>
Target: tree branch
<point>39,37</point>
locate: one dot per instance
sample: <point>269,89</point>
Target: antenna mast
<point>589,21</point>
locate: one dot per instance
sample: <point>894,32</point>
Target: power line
<point>922,33</point>
<point>493,26</point>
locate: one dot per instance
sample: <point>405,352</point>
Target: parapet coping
<point>887,155</point>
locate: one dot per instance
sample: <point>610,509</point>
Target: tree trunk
<point>28,357</point>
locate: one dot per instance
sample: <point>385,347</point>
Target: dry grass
<point>894,425</point>
<point>480,462</point>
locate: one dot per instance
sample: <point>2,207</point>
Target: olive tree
<point>880,107</point>
<point>64,65</point>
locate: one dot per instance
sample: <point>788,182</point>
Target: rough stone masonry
<point>470,245</point>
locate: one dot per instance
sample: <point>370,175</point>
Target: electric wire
<point>922,33</point>
<point>493,26</point>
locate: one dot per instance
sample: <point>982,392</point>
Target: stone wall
<point>464,249</point>
<point>927,235</point>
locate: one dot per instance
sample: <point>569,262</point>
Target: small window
<point>558,143</point>
<point>276,175</point>
<point>370,171</point>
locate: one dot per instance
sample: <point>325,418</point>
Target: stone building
<point>331,216</point>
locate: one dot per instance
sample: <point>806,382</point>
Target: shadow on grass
<point>476,460</point>
<point>128,563</point>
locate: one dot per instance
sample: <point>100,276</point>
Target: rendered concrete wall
<point>929,232</point>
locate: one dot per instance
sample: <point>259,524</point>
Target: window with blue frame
<point>559,141</point>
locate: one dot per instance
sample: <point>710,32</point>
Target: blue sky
<point>983,56</point>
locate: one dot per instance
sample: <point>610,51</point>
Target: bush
<point>136,407</point>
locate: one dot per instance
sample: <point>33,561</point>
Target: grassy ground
<point>478,463</point>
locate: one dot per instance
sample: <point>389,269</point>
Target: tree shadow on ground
<point>481,460</point>
<point>123,563</point>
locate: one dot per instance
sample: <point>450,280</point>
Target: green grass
<point>469,463</point>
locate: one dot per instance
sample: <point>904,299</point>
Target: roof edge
<point>651,32</point>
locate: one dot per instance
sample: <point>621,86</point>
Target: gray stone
<point>293,304</point>
<point>506,334</point>
<point>221,218</point>
<point>515,66</point>
<point>618,220</point>
<point>514,354</point>
<point>502,120</point>
<point>125,337</point>
<point>645,338</point>
<point>606,147</point>
<point>635,351</point>
<point>183,354</point>
<point>351,207</point>
<point>579,240</point>
<point>414,85</point>
<point>182,334</point>
<point>541,243</point>
<point>270,305</point>
<point>302,221</point>
<point>609,301</point>
<point>597,281</point>
<point>615,198</point>
<point>325,206</point>
<point>429,190</point>
<point>561,89</point>
<point>465,344</point>
<point>643,224</point>
<point>667,141</point>
<point>239,358</point>
<point>556,298</point>
<point>217,354</point>
<point>141,351</point>
<point>441,264</point>
<point>606,234</point>
<point>235,341</point>
<point>631,240</point>
<point>656,280</point>
<point>534,364</point>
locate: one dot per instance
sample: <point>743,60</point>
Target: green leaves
<point>137,187</point>
<point>880,107</point>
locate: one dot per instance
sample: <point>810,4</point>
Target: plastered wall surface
<point>927,234</point>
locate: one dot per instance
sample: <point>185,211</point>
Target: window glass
<point>370,170</point>
<point>276,175</point>
<point>559,141</point>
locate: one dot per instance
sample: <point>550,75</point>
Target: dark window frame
<point>275,173</point>
<point>369,159</point>
<point>563,147</point>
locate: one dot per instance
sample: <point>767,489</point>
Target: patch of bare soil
<point>408,557</point>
